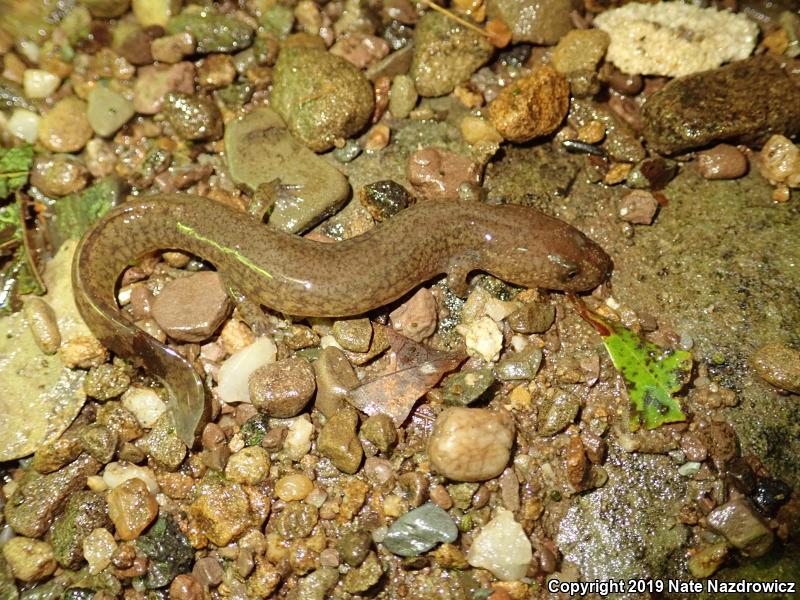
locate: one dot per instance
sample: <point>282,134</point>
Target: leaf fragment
<point>652,374</point>
<point>15,164</point>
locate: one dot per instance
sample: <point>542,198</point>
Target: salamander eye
<point>571,274</point>
<point>569,270</point>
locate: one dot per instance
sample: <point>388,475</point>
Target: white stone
<point>24,124</point>
<point>298,439</point>
<point>675,39</point>
<point>145,404</point>
<point>98,548</point>
<point>483,338</point>
<point>117,473</point>
<point>502,548</point>
<point>235,371</point>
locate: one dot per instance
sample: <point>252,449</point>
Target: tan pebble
<point>377,138</point>
<point>782,193</point>
<point>216,71</point>
<point>441,497</point>
<point>436,174</point>
<point>98,548</point>
<point>617,173</point>
<point>66,127</point>
<point>468,97</point>
<point>43,323</point>
<point>131,508</point>
<point>531,106</point>
<point>83,352</point>
<point>171,49</point>
<point>723,161</point>
<point>638,207</point>
<point>176,259</point>
<point>190,309</point>
<point>592,133</point>
<point>361,49</point>
<point>29,559</point>
<point>476,130</point>
<point>779,161</point>
<point>186,587</point>
<point>293,487</point>
<point>416,318</point>
<point>471,444</point>
<point>235,336</point>
<point>249,465</point>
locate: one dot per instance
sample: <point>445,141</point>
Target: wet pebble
<point>445,54</point>
<point>84,512</point>
<point>338,441</point>
<point>531,106</point>
<point>249,465</point>
<point>420,530</point>
<point>465,387</point>
<point>145,403</point>
<point>98,548</point>
<point>335,378</point>
<point>355,546</point>
<point>41,319</point>
<point>403,96</point>
<point>295,486</point>
<point>213,32</point>
<point>441,497</point>
<point>706,559</point>
<point>360,49</point>
<point>436,174</point>
<point>171,49</point>
<point>381,431</point>
<point>29,560</point>
<point>65,128</point>
<point>163,445</point>
<point>532,317</point>
<point>521,365</point>
<point>482,338</point>
<point>778,365</point>
<point>193,117</point>
<point>353,334</point>
<point>107,110</point>
<point>320,116</point>
<point>83,352</point>
<point>154,82</point>
<point>186,587</point>
<point>216,71</point>
<point>208,571</point>
<point>221,510</point>
<point>383,199</point>
<point>296,520</point>
<point>471,444</point>
<point>742,527</point>
<point>134,45</point>
<point>535,21</point>
<point>106,381</point>
<point>282,389</point>
<point>117,473</point>
<point>557,412</point>
<point>131,508</point>
<point>638,207</point>
<point>58,175</point>
<point>363,577</point>
<point>779,161</point>
<point>191,308</point>
<point>723,161</point>
<point>417,318</point>
<point>502,547</point>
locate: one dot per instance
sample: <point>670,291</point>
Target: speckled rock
<point>193,117</point>
<point>471,444</point>
<point>38,498</point>
<point>163,445</point>
<point>132,507</point>
<point>445,54</point>
<point>283,388</point>
<point>107,110</point>
<point>437,174</point>
<point>742,527</point>
<point>417,318</point>
<point>99,442</point>
<point>191,308</point>
<point>221,510</point>
<point>363,577</point>
<point>29,560</point>
<point>58,175</point>
<point>746,102</point>
<point>154,82</point>
<point>380,430</point>
<point>353,334</point>
<point>531,106</point>
<point>535,21</point>
<point>106,381</point>
<point>249,465</point>
<point>338,441</point>
<point>779,365</point>
<point>259,149</point>
<point>316,585</point>
<point>213,32</point>
<point>65,128</point>
<point>320,115</point>
<point>84,512</point>
<point>296,520</point>
<point>420,530</point>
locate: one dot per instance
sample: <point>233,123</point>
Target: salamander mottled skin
<point>301,277</point>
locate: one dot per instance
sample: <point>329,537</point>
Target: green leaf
<point>76,213</point>
<point>652,374</point>
<point>15,163</point>
<point>17,278</point>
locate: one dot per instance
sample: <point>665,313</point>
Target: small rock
<point>99,442</point>
<point>145,403</point>
<point>521,365</point>
<point>259,149</point>
<point>335,378</point>
<point>445,54</point>
<point>639,207</point>
<point>106,381</point>
<point>293,487</point>
<point>403,96</point>
<point>742,527</point>
<point>83,352</point>
<point>221,510</point>
<point>153,12</point>
<point>502,547</point>
<point>117,473</point>
<point>213,32</point>
<point>132,508</point>
<point>381,431</point>
<point>779,161</point>
<point>107,9</point>
<point>705,561</point>
<point>363,577</point>
<point>282,389</point>
<point>185,587</point>
<point>383,199</point>
<point>316,585</point>
<point>471,444</point>
<point>420,530</point>
<point>58,175</point>
<point>38,498</point>
<point>208,571</point>
<point>216,71</point>
<point>163,445</point>
<point>84,512</point>
<point>746,101</point>
<point>355,546</point>
<point>154,82</point>
<point>580,50</point>
<point>41,319</point>
<point>723,161</point>
<point>542,22</point>
<point>531,106</point>
<point>319,116</point>
<point>532,317</point>
<point>39,83</point>
<point>297,442</point>
<point>193,117</point>
<point>483,338</point>
<point>249,465</point>
<point>436,174</point>
<point>29,560</point>
<point>54,455</point>
<point>107,110</point>
<point>353,334</point>
<point>98,548</point>
<point>652,173</point>
<point>135,45</point>
<point>556,413</point>
<point>338,441</point>
<point>192,308</point>
<point>360,49</point>
<point>465,387</point>
<point>65,128</point>
<point>296,520</point>
<point>173,48</point>
<point>417,318</point>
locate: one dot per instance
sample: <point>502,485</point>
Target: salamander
<point>298,276</point>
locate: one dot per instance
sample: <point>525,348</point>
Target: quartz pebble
<point>483,338</point>
<point>234,374</point>
<point>39,83</point>
<point>98,548</point>
<point>502,548</point>
<point>117,473</point>
<point>779,161</point>
<point>132,508</point>
<point>282,389</point>
<point>639,207</point>
<point>416,318</point>
<point>298,438</point>
<point>145,403</point>
<point>723,161</point>
<point>420,530</point>
<point>107,110</point>
<point>471,444</point>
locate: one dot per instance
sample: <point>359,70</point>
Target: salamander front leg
<point>458,269</point>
